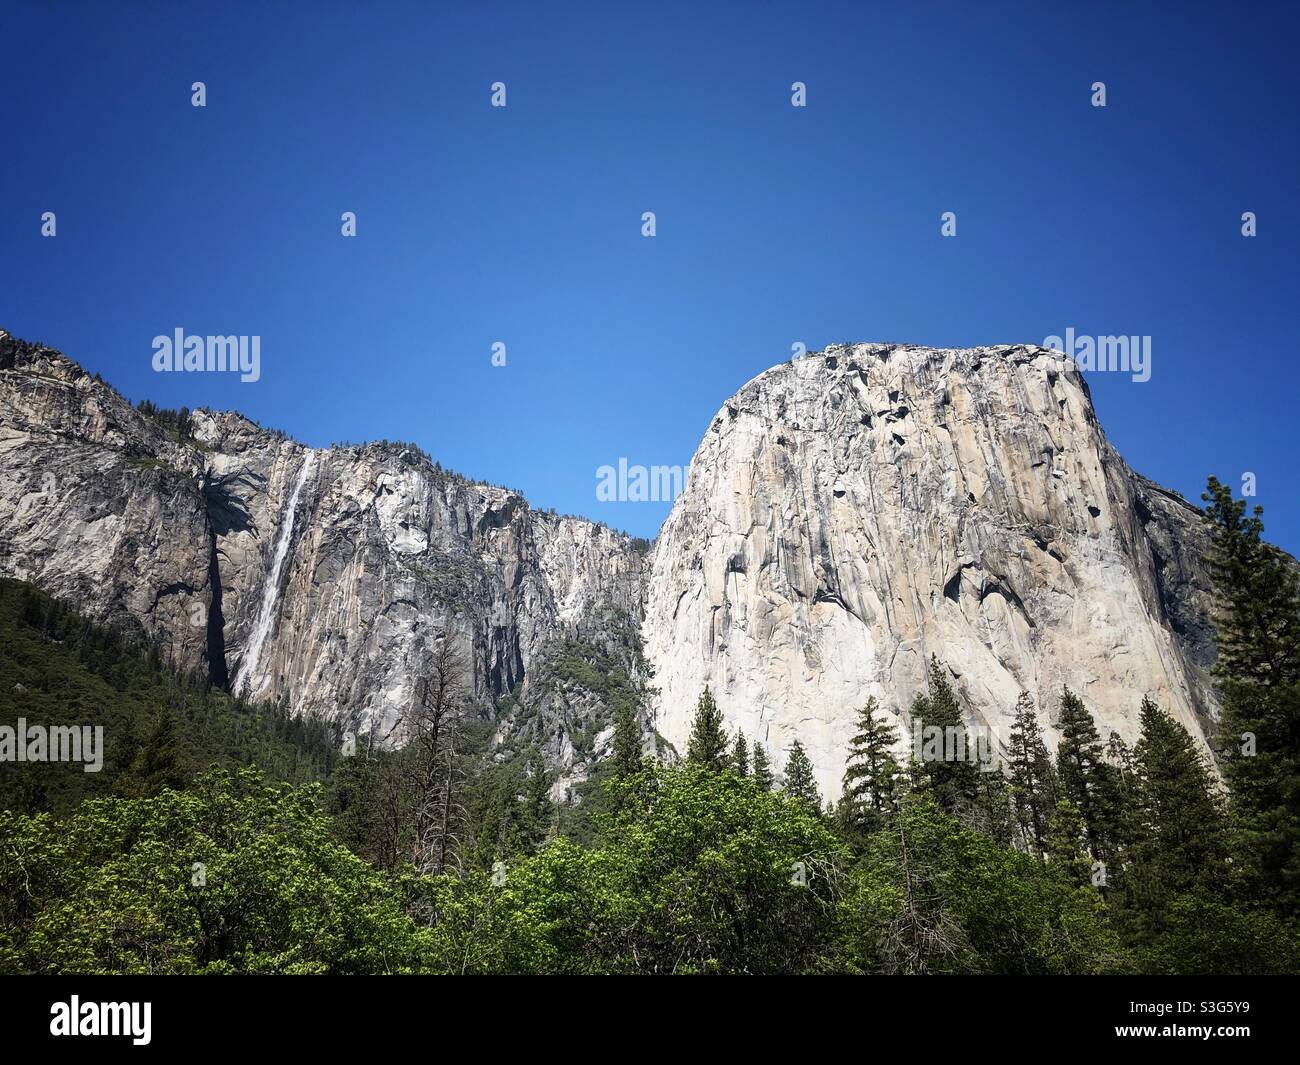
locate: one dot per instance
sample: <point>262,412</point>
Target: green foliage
<point>740,755</point>
<point>160,727</point>
<point>800,784</point>
<point>1182,846</point>
<point>708,742</point>
<point>761,767</point>
<point>626,759</point>
<point>700,877</point>
<point>871,778</point>
<point>1067,843</point>
<point>1033,778</point>
<point>158,764</point>
<point>1201,935</point>
<point>1258,623</point>
<point>952,781</point>
<point>231,876</point>
<point>936,896</point>
<point>537,811</point>
<point>1087,780</point>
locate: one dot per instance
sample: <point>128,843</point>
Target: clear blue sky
<point>775,224</point>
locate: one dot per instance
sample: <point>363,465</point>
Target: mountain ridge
<point>988,463</point>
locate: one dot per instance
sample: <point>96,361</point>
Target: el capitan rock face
<point>855,511</point>
<point>845,516</point>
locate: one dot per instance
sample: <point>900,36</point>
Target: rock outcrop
<point>846,516</point>
<point>381,552</point>
<point>854,512</point>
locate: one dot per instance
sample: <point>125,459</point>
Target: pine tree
<point>1066,843</point>
<point>1126,817</point>
<point>740,755</point>
<point>626,757</point>
<point>537,813</point>
<point>708,743</point>
<point>1182,844</point>
<point>1033,778</point>
<point>1257,618</point>
<point>627,778</point>
<point>992,812</point>
<point>871,774</point>
<point>158,764</point>
<point>1258,621</point>
<point>946,758</point>
<point>762,768</point>
<point>799,780</point>
<point>1087,781</point>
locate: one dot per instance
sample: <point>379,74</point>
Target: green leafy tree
<point>158,764</point>
<point>710,875</point>
<point>1204,936</point>
<point>537,816</point>
<point>708,742</point>
<point>937,896</point>
<point>992,812</point>
<point>230,876</point>
<point>1067,843</point>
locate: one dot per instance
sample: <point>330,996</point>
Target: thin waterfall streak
<point>271,589</point>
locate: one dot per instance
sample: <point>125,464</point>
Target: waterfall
<point>271,589</point>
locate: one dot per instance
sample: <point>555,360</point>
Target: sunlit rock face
<point>852,513</point>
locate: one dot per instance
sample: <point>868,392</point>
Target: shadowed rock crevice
<point>216,646</point>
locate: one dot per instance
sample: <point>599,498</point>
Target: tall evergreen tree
<point>1182,845</point>
<point>158,764</point>
<point>1087,780</point>
<point>872,771</point>
<point>992,812</point>
<point>1033,778</point>
<point>946,753</point>
<point>626,757</point>
<point>1126,817</point>
<point>799,780</point>
<point>1257,618</point>
<point>762,768</point>
<point>537,815</point>
<point>740,755</point>
<point>708,742</point>
<point>1067,842</point>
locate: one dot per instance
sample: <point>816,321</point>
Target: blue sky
<point>775,224</point>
